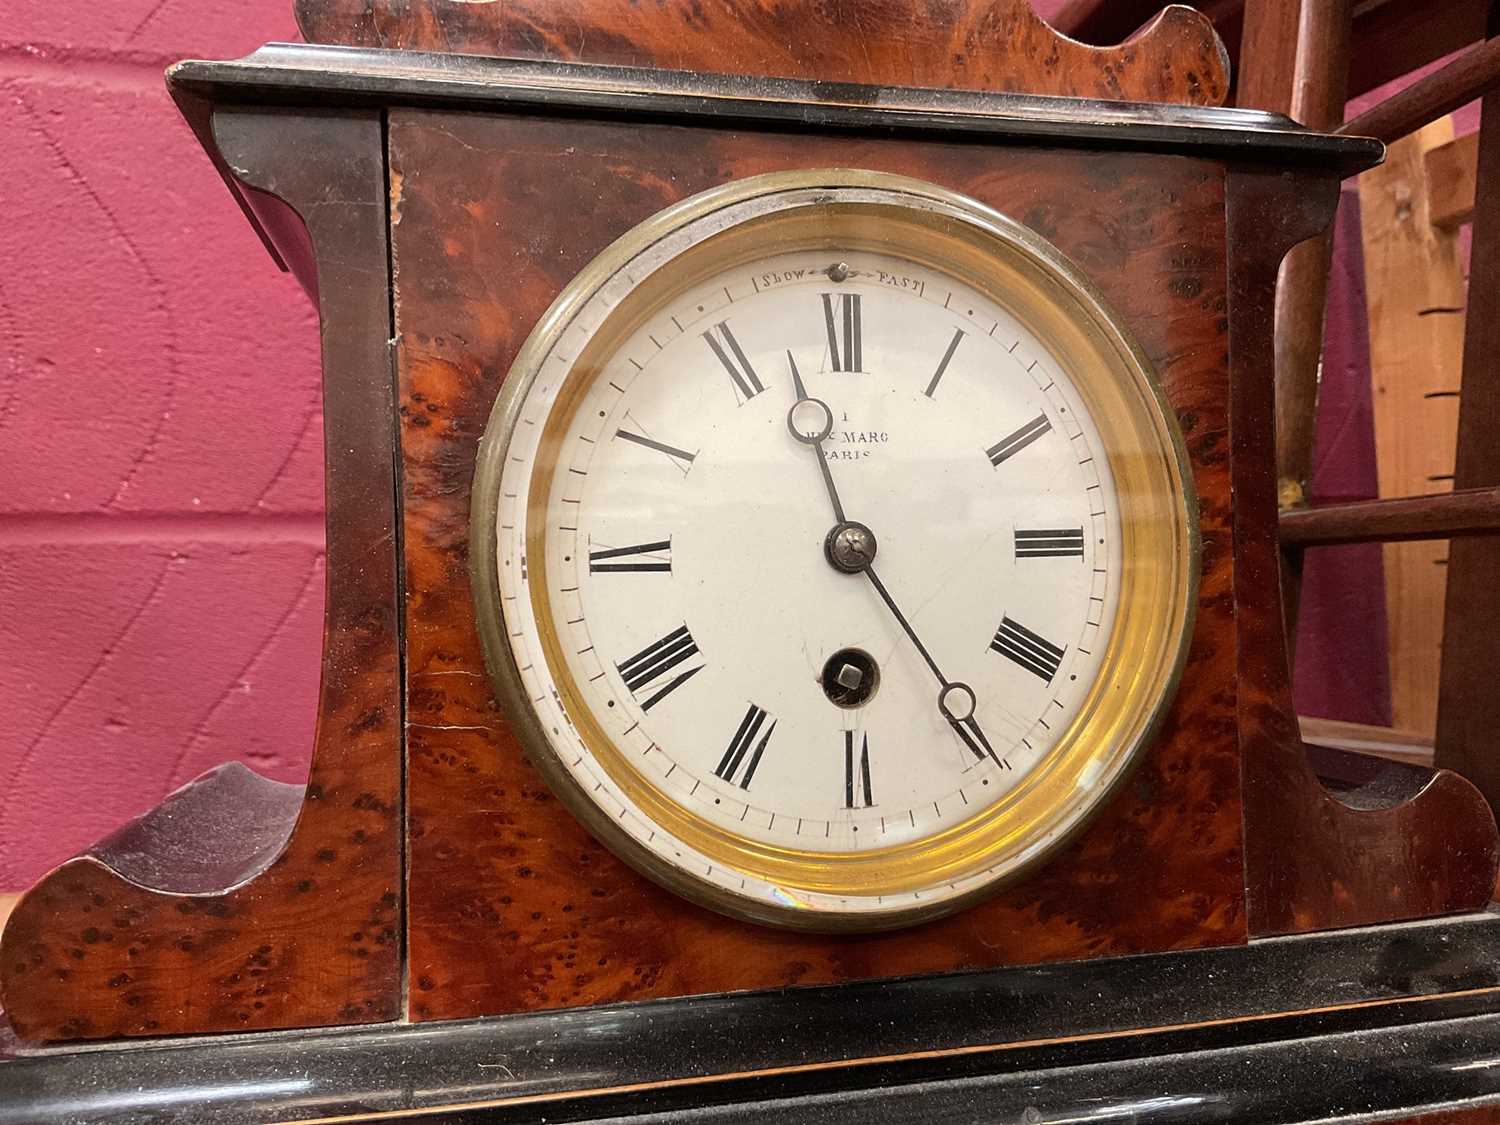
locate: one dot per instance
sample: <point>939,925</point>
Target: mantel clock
<point>730,595</point>
<point>802,535</point>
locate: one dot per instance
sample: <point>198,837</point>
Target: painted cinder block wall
<point>161,448</point>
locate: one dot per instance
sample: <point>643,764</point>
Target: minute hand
<point>890,602</point>
<point>956,700</point>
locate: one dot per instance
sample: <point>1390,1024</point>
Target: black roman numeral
<point>1018,643</point>
<point>857,773</point>
<point>739,746</point>
<point>642,558</point>
<point>847,318</point>
<point>680,457</point>
<point>958,334</point>
<point>734,361</point>
<point>645,668</point>
<point>1050,543</point>
<point>1008,446</point>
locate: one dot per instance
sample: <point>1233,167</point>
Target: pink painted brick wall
<point>160,439</point>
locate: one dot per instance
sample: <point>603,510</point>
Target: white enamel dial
<point>675,590</point>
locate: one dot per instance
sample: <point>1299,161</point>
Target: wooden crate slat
<point>1415,300</point>
<point>1452,174</point>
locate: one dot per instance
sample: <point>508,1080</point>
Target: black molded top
<point>324,75</point>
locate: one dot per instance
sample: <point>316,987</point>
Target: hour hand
<point>796,377</point>
<point>809,421</point>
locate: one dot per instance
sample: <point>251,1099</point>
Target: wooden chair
<point>1394,37</point>
<point>1302,57</point>
<point>1468,711</point>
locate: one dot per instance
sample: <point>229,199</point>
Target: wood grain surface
<point>512,904</point>
<point>231,907</point>
<point>1295,60</point>
<point>999,45</point>
<point>1468,704</point>
<point>1414,293</point>
<point>1312,861</point>
<point>1451,172</point>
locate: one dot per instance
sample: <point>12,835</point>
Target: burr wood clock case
<point>436,179</point>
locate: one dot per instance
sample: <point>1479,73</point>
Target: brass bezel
<point>1159,547</point>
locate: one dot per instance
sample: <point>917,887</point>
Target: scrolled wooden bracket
<point>995,45</point>
<point>1313,861</point>
<point>239,903</point>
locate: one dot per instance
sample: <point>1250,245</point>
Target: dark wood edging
<point>1101,1030</point>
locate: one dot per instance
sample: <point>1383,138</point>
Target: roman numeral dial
<point>814,548</point>
<point>679,457</point>
<point>942,367</point>
<point>729,353</point>
<point>1012,443</point>
<point>841,317</point>
<point>857,790</point>
<point>642,558</point>
<point>1049,543</point>
<point>1029,650</point>
<point>644,672</point>
<point>740,760</point>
